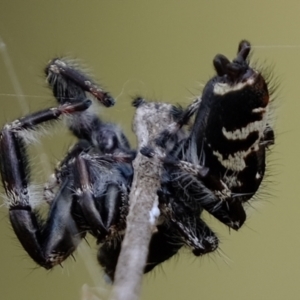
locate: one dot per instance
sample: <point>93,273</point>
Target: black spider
<point>216,164</point>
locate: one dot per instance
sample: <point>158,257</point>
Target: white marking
<point>55,258</point>
<point>232,181</point>
<point>257,176</point>
<point>154,212</point>
<point>259,110</point>
<point>193,240</point>
<point>236,162</point>
<point>15,198</point>
<point>9,125</point>
<point>213,241</point>
<point>243,133</point>
<point>222,195</point>
<point>78,192</point>
<point>60,63</point>
<point>221,88</point>
<point>235,224</point>
<point>54,69</point>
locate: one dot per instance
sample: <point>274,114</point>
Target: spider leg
<point>47,243</point>
<point>61,234</point>
<point>51,242</point>
<point>185,217</point>
<point>212,193</point>
<point>32,120</point>
<point>55,179</point>
<point>13,157</point>
<point>121,159</point>
<point>71,85</point>
<point>101,186</point>
<point>101,194</point>
<point>18,130</point>
<point>196,234</point>
<point>86,199</point>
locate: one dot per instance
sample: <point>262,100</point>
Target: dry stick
<point>150,119</point>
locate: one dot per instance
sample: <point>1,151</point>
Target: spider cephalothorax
<point>216,164</point>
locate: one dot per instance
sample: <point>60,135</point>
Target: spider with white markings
<point>214,163</point>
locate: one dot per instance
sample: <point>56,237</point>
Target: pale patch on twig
<point>150,119</point>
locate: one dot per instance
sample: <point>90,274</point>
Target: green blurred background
<point>162,50</point>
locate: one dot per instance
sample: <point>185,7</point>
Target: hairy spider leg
<point>101,193</point>
<point>184,215</point>
<point>70,85</point>
<point>51,242</point>
<point>196,180</point>
<point>55,179</point>
<point>213,195</point>
<point>84,193</point>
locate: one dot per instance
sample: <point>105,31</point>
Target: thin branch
<point>150,119</point>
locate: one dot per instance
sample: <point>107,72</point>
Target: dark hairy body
<point>214,162</point>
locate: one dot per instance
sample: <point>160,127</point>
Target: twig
<point>150,119</point>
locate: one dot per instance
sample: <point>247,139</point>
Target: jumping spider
<point>214,163</point>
